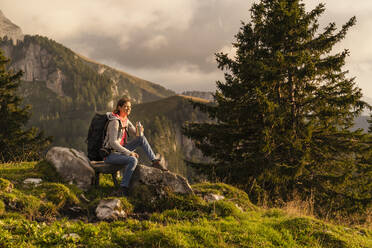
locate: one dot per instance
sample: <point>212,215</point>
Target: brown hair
<point>120,103</point>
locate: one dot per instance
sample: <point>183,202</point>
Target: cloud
<point>164,41</point>
<point>180,78</point>
<point>155,42</point>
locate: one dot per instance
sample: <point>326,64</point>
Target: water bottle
<point>139,129</point>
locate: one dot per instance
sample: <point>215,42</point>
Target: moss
<point>185,202</point>
<point>222,232</point>
<point>143,198</point>
<point>25,204</point>
<point>2,208</point>
<point>13,216</point>
<point>31,206</point>
<point>57,193</point>
<point>146,199</point>
<point>127,206</point>
<point>274,213</point>
<point>224,208</point>
<point>152,238</point>
<point>47,172</point>
<point>231,193</point>
<point>176,215</point>
<point>18,172</point>
<point>328,239</point>
<point>48,211</point>
<point>5,185</point>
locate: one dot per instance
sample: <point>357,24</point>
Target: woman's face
<point>126,108</point>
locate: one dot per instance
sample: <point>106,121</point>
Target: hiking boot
<point>159,163</point>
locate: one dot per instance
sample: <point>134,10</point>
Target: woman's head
<point>123,106</point>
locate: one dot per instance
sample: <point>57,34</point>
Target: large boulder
<point>160,181</point>
<point>110,209</point>
<point>72,166</point>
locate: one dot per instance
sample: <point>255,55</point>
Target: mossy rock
<point>26,204</point>
<point>127,207</point>
<point>230,193</point>
<point>146,199</point>
<point>6,185</point>
<point>57,193</point>
<point>30,206</point>
<point>224,208</point>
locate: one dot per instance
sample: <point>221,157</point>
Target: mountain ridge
<point>9,29</point>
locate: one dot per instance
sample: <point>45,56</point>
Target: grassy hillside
<point>41,216</point>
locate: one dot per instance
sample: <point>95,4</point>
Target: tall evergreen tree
<point>282,116</point>
<point>16,142</point>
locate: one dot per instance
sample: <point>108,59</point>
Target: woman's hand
<point>133,154</point>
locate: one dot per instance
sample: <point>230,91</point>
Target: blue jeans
<point>130,163</point>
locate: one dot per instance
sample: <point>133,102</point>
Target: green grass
<point>36,217</point>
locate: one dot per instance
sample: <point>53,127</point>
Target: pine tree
<point>282,117</point>
<point>16,142</point>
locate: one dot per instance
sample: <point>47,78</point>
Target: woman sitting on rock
<point>123,152</point>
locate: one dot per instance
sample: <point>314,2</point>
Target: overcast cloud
<point>172,42</point>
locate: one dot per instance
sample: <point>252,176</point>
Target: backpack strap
<point>119,130</point>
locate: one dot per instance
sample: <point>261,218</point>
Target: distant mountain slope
<point>208,95</point>
<point>9,29</point>
<point>64,71</point>
<point>163,120</point>
<point>66,89</point>
<point>361,122</point>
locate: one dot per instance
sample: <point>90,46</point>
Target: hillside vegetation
<point>41,216</point>
<point>162,121</point>
<point>65,89</point>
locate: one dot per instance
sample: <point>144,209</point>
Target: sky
<point>173,42</point>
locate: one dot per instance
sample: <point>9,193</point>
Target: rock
<point>72,165</point>
<point>238,207</point>
<point>160,181</point>
<point>73,236</point>
<point>34,181</point>
<point>110,209</point>
<point>213,197</point>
